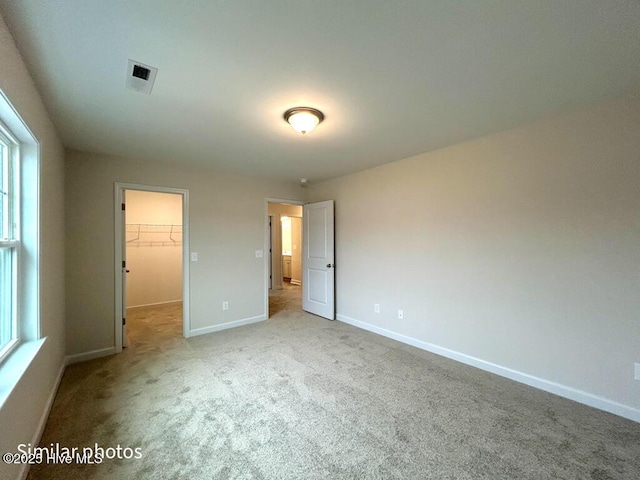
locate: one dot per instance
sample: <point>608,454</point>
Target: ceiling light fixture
<point>303,119</point>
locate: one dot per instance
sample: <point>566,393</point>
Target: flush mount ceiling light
<point>303,119</point>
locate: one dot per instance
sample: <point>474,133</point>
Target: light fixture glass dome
<point>303,119</point>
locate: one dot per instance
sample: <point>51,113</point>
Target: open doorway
<point>285,265</point>
<point>154,265</point>
<point>152,271</point>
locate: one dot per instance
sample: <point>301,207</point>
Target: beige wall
<point>22,411</point>
<point>227,215</point>
<point>519,249</point>
<point>154,253</point>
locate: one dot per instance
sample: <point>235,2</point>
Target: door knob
<point>329,265</point>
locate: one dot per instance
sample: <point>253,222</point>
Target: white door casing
<point>123,224</point>
<point>318,259</point>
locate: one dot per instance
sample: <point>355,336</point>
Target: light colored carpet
<point>289,298</point>
<point>300,397</point>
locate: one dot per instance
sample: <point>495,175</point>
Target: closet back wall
<point>154,259</point>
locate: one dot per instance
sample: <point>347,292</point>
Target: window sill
<point>15,366</point>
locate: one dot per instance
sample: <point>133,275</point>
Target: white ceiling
<point>393,78</point>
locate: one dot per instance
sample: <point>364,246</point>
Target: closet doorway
<point>153,275</point>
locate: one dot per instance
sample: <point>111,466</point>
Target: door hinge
<point>123,207</point>
<point>124,264</point>
<point>124,322</point>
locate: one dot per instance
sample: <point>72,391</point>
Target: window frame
<point>29,340</point>
<point>10,238</point>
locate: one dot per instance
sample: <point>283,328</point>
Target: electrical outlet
<point>400,315</point>
<point>376,307</point>
<point>259,253</point>
<point>637,371</point>
<point>225,305</point>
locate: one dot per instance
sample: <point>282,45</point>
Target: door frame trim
<point>267,201</point>
<point>119,187</point>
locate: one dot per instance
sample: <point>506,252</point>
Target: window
<point>9,241</point>
<point>20,336</point>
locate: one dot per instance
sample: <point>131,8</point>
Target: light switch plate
<point>194,256</point>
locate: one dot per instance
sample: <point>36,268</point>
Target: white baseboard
<point>536,382</point>
<point>154,304</point>
<point>225,326</point>
<point>82,357</point>
<point>44,417</point>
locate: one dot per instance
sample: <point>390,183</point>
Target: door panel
<point>317,281</point>
<point>318,262</point>
<point>317,219</point>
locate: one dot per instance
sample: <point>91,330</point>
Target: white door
<point>318,260</point>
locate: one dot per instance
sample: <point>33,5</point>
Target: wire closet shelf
<point>150,235</point>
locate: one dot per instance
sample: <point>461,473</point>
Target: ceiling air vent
<point>141,72</point>
<point>140,77</point>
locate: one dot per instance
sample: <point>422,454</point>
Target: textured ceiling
<point>393,78</point>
